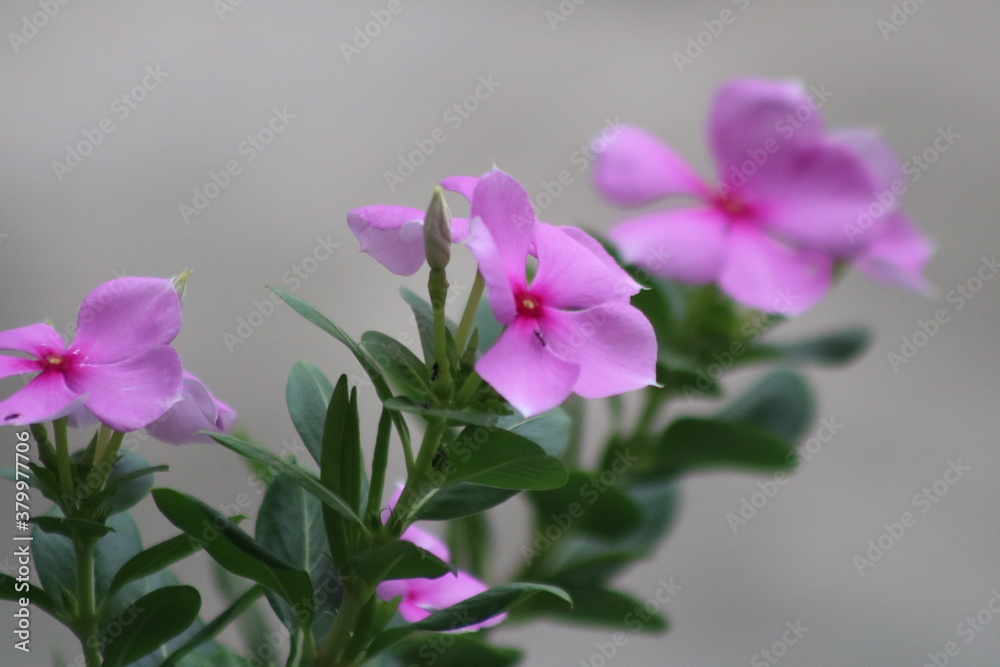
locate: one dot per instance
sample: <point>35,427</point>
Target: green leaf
<point>489,328</point>
<point>599,607</point>
<point>159,616</point>
<point>550,430</point>
<point>235,550</point>
<point>585,561</point>
<point>462,500</point>
<point>370,367</point>
<point>213,628</point>
<point>307,394</point>
<point>155,558</point>
<point>404,404</point>
<point>129,481</point>
<point>341,471</point>
<point>290,526</point>
<point>781,403</point>
<point>693,443</point>
<point>502,459</point>
<point>9,590</point>
<point>588,503</point>
<point>835,349</point>
<point>474,610</point>
<point>398,363</point>
<point>71,528</point>
<point>424,316</point>
<point>455,651</point>
<point>688,382</point>
<point>399,560</point>
<point>298,474</point>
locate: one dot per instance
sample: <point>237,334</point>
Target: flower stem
<point>416,491</point>
<point>471,306</point>
<point>437,286</point>
<point>86,627</point>
<point>332,651</point>
<point>62,457</point>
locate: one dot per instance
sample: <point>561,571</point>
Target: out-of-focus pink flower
<point>780,214</point>
<point>422,597</point>
<point>198,410</point>
<point>119,366</point>
<point>571,328</point>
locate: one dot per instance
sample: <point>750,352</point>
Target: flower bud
<point>437,231</point>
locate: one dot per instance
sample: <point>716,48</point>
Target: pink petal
<point>45,398</point>
<point>426,541</point>
<point>499,290</point>
<point>635,168</point>
<point>876,152</point>
<point>393,235</point>
<point>132,393</point>
<point>18,365</point>
<point>37,339</point>
<point>198,410</point>
<point>686,245</point>
<point>816,199</point>
<point>760,119</point>
<point>463,185</point>
<point>569,274</point>
<point>126,316</point>
<point>614,345</point>
<point>505,210</point>
<point>443,592</point>
<point>765,274</point>
<point>898,256</point>
<point>525,372</point>
<point>625,283</point>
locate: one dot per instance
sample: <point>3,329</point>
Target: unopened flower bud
<point>437,231</point>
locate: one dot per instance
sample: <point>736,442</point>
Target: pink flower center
<point>56,362</point>
<point>731,205</point>
<point>528,305</point>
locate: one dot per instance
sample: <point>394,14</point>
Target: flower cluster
<point>785,210</point>
<point>118,369</point>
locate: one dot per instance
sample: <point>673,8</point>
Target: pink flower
<point>119,366</point>
<point>198,410</point>
<point>394,235</point>
<point>771,229</point>
<point>422,597</point>
<point>570,328</point>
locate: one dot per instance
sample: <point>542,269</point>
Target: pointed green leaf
<point>502,459</point>
<point>597,607</point>
<point>399,560</point>
<point>474,610</point>
<point>290,526</point>
<point>550,430</point>
<point>10,589</point>
<point>158,617</point>
<point>693,443</point>
<point>72,528</point>
<point>424,317</point>
<point>211,629</point>
<point>781,404</point>
<point>455,651</point>
<point>398,363</point>
<point>307,395</point>
<point>404,404</point>
<point>234,549</point>
<point>298,474</point>
<point>152,560</point>
<point>590,504</point>
<point>370,367</point>
<point>462,500</point>
<point>834,349</point>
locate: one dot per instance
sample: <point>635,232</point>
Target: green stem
<point>86,625</point>
<point>471,306</point>
<point>469,388</point>
<point>414,491</point>
<point>62,457</point>
<point>332,651</point>
<point>437,286</point>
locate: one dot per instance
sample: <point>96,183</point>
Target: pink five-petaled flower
<point>119,366</point>
<point>198,410</point>
<point>781,213</point>
<point>569,329</point>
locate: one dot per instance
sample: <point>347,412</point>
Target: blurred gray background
<point>558,71</point>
